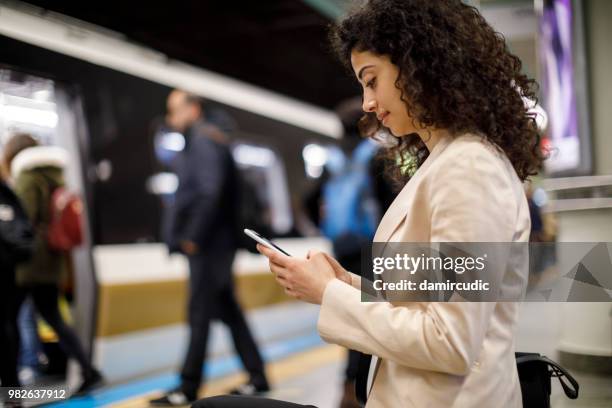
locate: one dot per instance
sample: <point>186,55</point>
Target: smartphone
<point>265,241</point>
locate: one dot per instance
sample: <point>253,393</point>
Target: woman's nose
<point>369,105</point>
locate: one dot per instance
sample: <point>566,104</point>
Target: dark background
<point>280,45</point>
<point>120,111</point>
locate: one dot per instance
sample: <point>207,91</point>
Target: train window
<point>263,169</point>
<point>27,104</point>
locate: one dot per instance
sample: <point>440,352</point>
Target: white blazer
<point>441,354</point>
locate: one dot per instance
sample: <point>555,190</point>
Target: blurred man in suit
<point>201,225</point>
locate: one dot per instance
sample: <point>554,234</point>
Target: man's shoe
<point>175,398</point>
<point>92,381</point>
<point>250,389</point>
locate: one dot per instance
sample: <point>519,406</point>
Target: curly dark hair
<point>455,73</point>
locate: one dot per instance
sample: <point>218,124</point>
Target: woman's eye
<point>371,83</point>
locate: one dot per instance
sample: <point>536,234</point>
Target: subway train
<point>103,99</point>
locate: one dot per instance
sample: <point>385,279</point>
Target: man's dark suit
<point>204,212</point>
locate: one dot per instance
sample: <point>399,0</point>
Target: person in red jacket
<point>36,171</point>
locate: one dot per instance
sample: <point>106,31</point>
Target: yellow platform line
<point>282,370</point>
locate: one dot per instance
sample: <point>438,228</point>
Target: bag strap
<point>361,382</point>
<point>51,183</point>
<point>46,188</point>
<point>557,371</point>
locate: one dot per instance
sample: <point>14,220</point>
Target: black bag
<point>16,234</point>
<point>250,214</point>
<point>535,372</point>
<point>250,207</point>
<point>361,382</point>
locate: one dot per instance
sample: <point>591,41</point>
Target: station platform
<point>303,369</point>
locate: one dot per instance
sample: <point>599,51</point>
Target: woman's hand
<point>303,279</point>
<point>340,272</point>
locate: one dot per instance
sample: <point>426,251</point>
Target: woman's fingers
<point>289,272</point>
<point>335,264</point>
<point>277,270</point>
<point>281,275</point>
<point>287,287</point>
<point>284,282</point>
<point>312,253</point>
<point>339,270</point>
<point>332,261</point>
<point>274,256</point>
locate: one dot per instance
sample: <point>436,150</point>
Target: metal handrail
<point>570,183</point>
<point>577,204</point>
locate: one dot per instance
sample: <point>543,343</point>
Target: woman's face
<point>377,76</point>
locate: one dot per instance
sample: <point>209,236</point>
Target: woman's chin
<point>406,134</point>
<point>399,132</point>
<point>395,132</point>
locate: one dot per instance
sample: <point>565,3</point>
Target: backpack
<point>64,231</point>
<point>249,207</point>
<point>351,211</point>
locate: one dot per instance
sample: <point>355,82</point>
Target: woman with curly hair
<point>438,78</point>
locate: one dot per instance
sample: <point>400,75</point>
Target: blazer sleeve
<point>471,200</point>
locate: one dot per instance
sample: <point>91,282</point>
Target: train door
<point>52,113</point>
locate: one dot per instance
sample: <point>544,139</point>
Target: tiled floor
<point>314,375</point>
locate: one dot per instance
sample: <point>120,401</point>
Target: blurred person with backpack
<point>16,244</point>
<point>202,223</point>
<point>37,172</point>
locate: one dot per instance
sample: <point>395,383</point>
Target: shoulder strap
<point>50,182</point>
<point>361,382</point>
<point>51,185</point>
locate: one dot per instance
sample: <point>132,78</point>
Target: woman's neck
<point>432,136</point>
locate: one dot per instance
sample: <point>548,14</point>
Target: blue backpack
<point>350,206</point>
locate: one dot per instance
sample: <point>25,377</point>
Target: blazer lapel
<point>393,218</point>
